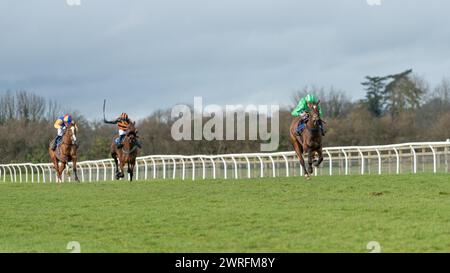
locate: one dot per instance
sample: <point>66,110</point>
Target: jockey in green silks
<point>302,110</point>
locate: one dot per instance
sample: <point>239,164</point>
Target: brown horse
<point>65,153</point>
<point>310,140</point>
<point>127,154</point>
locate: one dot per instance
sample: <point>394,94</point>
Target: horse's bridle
<point>131,150</point>
<point>316,122</point>
<point>134,145</point>
<point>72,142</point>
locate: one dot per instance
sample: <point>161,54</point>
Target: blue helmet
<point>67,119</point>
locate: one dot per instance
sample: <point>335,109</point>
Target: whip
<point>104,110</point>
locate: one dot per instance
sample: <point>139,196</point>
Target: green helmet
<point>311,98</point>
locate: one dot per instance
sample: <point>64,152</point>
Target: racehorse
<point>310,141</point>
<point>127,154</point>
<point>65,152</point>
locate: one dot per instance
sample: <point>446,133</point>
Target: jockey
<point>122,123</point>
<point>61,124</point>
<point>302,109</point>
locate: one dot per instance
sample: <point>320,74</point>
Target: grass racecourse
<point>404,213</point>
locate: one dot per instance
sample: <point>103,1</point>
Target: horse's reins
<point>58,153</point>
<point>69,144</point>
<point>313,130</point>
<point>132,149</point>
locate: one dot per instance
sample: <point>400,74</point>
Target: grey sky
<point>143,55</point>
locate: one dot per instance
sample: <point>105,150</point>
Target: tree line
<point>396,108</point>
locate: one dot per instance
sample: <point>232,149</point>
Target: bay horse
<point>127,154</point>
<point>310,140</point>
<point>66,152</point>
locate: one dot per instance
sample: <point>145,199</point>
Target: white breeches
<point>61,131</point>
<point>122,132</point>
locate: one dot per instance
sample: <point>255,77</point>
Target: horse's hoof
<point>307,177</point>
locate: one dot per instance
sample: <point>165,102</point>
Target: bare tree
<point>54,109</point>
<point>442,91</point>
<point>30,107</point>
<point>7,106</point>
<point>334,102</point>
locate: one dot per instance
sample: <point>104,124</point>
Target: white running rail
<point>415,157</point>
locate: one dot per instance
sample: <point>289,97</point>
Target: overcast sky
<point>145,54</point>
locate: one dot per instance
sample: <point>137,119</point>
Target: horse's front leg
<point>116,164</point>
<point>61,168</point>
<point>74,168</point>
<point>320,154</point>
<point>299,152</point>
<point>310,161</point>
<point>131,170</point>
<point>121,167</point>
<point>58,173</point>
<point>56,167</point>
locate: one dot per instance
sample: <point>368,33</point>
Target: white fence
<point>430,157</point>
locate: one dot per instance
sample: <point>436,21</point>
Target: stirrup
<point>117,141</point>
<point>54,144</point>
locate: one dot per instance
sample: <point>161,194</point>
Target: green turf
<point>406,213</point>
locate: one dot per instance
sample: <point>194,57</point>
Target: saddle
<point>301,126</point>
<point>57,143</point>
<point>119,141</point>
<point>58,150</point>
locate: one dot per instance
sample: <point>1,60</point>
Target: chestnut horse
<point>127,154</point>
<point>310,140</point>
<point>65,153</point>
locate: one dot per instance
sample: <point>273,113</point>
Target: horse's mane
<point>132,130</point>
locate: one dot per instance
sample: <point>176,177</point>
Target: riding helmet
<point>124,116</point>
<point>68,119</point>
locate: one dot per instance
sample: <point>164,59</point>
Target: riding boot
<point>120,142</point>
<point>54,145</point>
<point>55,142</point>
<point>300,128</point>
